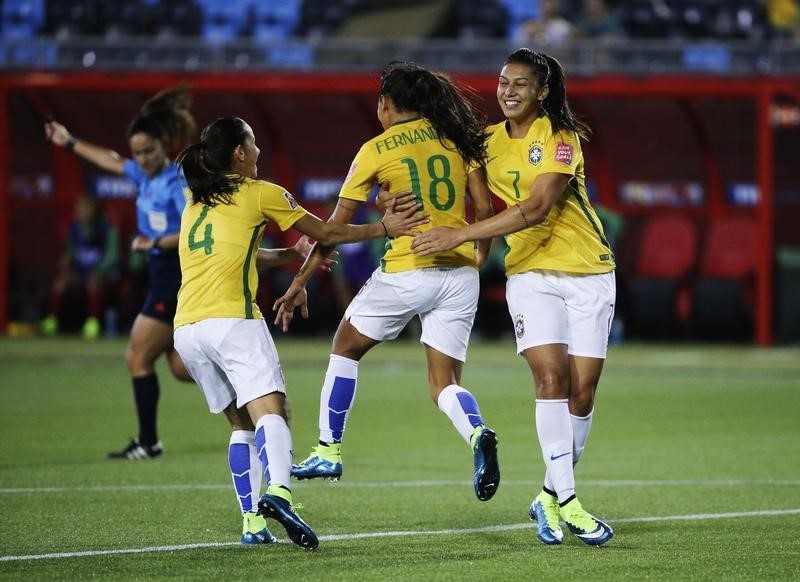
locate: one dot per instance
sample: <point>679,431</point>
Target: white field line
<point>391,534</point>
<point>396,484</point>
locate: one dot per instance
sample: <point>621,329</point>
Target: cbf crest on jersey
<point>535,154</point>
<point>519,325</point>
<point>290,199</point>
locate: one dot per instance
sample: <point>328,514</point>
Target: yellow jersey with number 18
<point>409,156</point>
<point>571,238</point>
<point>218,246</point>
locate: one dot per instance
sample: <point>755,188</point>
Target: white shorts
<point>444,299</point>
<point>230,359</point>
<point>550,307</point>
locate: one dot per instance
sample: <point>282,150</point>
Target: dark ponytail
<point>166,116</point>
<point>207,164</point>
<point>548,71</point>
<point>445,105</point>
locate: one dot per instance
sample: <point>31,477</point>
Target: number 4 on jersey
<point>207,242</point>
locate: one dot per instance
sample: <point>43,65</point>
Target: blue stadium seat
<point>271,20</point>
<point>224,20</point>
<point>22,18</point>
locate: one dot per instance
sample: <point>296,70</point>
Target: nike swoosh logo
<point>490,159</point>
<point>553,458</point>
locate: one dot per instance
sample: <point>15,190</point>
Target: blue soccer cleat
<point>324,462</point>
<point>486,477</point>
<point>585,526</point>
<point>275,506</point>
<point>254,530</point>
<point>545,512</point>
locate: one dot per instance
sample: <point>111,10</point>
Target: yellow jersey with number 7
<point>218,246</point>
<point>571,238</point>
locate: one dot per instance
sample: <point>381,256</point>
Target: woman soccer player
<point>433,144</point>
<point>219,330</point>
<point>560,270</point>
<point>164,124</point>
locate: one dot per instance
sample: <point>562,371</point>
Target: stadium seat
<point>722,295</point>
<point>271,20</point>
<point>223,21</point>
<point>658,292</point>
<point>22,18</point>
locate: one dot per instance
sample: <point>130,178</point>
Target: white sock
<point>274,443</point>
<point>337,398</point>
<point>245,468</point>
<point>581,425</point>
<point>461,408</point>
<point>555,438</point>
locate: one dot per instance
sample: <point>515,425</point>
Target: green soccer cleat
<point>91,329</point>
<point>324,462</point>
<point>49,325</point>
<point>276,504</point>
<point>585,526</point>
<point>486,475</point>
<point>544,511</point>
<point>254,530</point>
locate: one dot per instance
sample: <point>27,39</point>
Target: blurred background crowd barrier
<point>695,107</point>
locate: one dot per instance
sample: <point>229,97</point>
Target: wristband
<point>386,232</point>
<point>70,145</point>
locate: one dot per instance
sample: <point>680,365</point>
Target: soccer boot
<point>135,451</point>
<point>324,462</point>
<point>91,329</point>
<point>254,530</point>
<point>49,325</point>
<point>486,477</point>
<point>585,526</point>
<point>276,504</point>
<point>544,511</point>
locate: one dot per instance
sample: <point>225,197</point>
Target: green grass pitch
<point>694,459</point>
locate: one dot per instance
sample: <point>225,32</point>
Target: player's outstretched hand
<point>56,133</point>
<point>294,297</point>
<point>303,247</point>
<point>403,215</point>
<point>436,240</point>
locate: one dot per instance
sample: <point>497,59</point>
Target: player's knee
<point>551,385</point>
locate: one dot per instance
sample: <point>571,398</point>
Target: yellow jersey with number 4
<point>409,156</point>
<point>571,238</point>
<point>218,247</point>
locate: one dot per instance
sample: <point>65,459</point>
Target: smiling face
<point>519,94</point>
<point>245,156</point>
<point>148,152</point>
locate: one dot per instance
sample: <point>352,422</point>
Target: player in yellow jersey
<point>219,331</point>
<point>433,144</point>
<point>560,269</point>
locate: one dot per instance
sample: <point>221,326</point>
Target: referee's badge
<point>535,155</point>
<point>519,326</point>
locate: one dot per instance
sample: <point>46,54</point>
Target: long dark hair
<point>548,71</point>
<point>166,116</point>
<point>442,102</point>
<point>207,164</point>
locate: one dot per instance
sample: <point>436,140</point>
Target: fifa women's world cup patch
<point>290,200</point>
<point>564,153</point>
<point>535,154</point>
<point>519,325</point>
